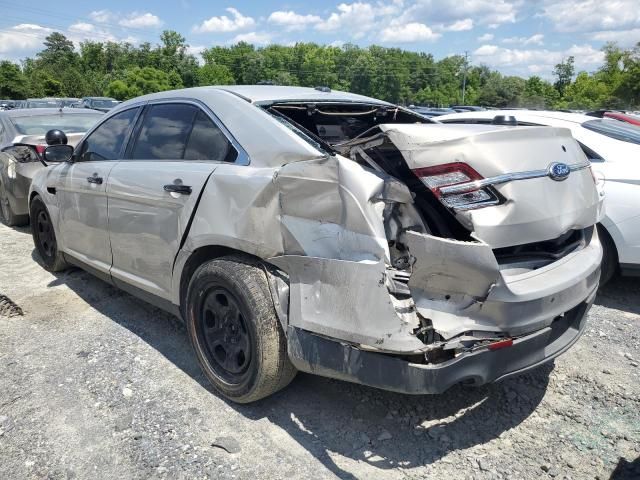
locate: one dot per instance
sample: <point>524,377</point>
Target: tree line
<point>122,70</point>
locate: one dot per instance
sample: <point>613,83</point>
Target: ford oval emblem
<point>559,171</point>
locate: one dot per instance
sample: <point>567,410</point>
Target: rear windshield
<point>625,132</point>
<point>103,103</point>
<point>41,124</point>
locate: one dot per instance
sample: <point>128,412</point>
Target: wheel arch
<point>604,231</point>
<point>33,194</point>
<point>207,253</point>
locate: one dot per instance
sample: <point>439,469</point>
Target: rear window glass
<point>41,124</point>
<point>207,142</point>
<point>164,133</point>
<point>620,131</point>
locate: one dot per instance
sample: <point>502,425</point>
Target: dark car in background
<point>68,102</point>
<point>7,104</point>
<point>430,112</point>
<point>467,108</point>
<point>22,141</point>
<point>41,103</point>
<point>103,104</point>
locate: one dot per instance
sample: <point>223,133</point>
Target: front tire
<point>234,330</point>
<point>10,218</point>
<point>44,236</point>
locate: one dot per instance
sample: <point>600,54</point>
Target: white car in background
<point>614,149</point>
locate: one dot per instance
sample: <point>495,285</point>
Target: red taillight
<point>500,344</point>
<point>470,194</point>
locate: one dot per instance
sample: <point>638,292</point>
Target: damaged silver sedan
<point>304,229</point>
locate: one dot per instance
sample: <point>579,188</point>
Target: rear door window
<point>207,142</point>
<point>106,142</point>
<point>164,132</point>
<point>175,131</point>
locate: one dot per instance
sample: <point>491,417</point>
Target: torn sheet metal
<point>326,208</point>
<point>348,301</point>
<point>332,208</point>
<point>450,266</point>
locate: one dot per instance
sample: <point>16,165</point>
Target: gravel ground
<point>96,384</point>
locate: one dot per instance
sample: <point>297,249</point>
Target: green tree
<point>214,74</point>
<point>587,92</point>
<point>124,70</point>
<point>564,72</point>
<point>141,81</point>
<point>12,81</point>
<point>538,93</point>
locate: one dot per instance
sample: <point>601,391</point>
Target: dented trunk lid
<point>534,208</point>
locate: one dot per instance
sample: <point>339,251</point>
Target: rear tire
<point>10,218</point>
<point>44,236</point>
<point>609,265</point>
<point>235,331</point>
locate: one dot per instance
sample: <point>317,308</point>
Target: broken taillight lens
<point>471,193</point>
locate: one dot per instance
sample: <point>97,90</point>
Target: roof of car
<point>270,93</point>
<point>563,116</point>
<point>266,141</point>
<point>34,112</point>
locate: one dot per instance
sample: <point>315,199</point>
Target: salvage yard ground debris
<point>97,384</point>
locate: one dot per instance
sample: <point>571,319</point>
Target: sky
<point>516,37</point>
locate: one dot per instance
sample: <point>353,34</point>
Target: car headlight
<point>11,169</point>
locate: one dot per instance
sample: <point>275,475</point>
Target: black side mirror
<point>57,153</point>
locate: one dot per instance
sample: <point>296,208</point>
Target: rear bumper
<point>322,356</point>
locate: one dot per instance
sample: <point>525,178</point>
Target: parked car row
<point>103,104</point>
<point>431,112</point>
<point>307,229</point>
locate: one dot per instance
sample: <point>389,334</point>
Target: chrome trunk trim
<point>507,177</point>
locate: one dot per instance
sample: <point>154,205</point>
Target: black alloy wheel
<point>44,236</point>
<point>226,338</point>
<point>234,329</point>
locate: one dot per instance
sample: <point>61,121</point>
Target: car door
<point>154,191</point>
<point>81,191</point>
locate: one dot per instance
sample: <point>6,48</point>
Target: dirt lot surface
<point>96,384</point>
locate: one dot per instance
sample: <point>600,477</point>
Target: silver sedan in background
<point>22,141</point>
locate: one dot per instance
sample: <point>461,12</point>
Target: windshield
<point>103,103</point>
<point>614,129</point>
<point>41,124</point>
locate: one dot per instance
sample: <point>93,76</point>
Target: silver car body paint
<point>321,219</point>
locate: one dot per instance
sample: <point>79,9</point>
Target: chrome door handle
<point>96,180</point>
<point>173,188</point>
